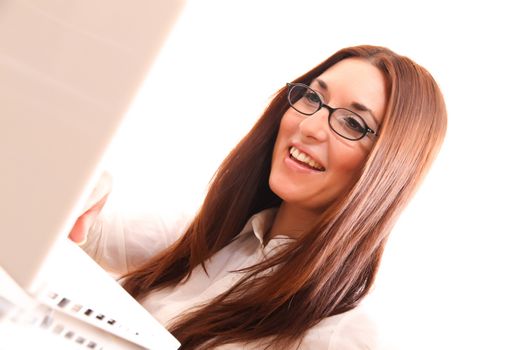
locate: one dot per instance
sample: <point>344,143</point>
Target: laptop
<point>68,73</point>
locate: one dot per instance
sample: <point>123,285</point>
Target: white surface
<point>451,275</point>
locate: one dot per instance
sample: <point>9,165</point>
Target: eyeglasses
<point>342,121</point>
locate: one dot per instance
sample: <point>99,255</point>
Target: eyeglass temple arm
<point>371,132</point>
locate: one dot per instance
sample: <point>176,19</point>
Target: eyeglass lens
<point>343,121</point>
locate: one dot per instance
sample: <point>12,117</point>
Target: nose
<point>315,126</point>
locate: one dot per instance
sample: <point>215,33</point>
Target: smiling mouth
<point>304,159</point>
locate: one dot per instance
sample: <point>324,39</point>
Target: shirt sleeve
<point>120,243</point>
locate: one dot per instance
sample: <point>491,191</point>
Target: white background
<point>452,275</point>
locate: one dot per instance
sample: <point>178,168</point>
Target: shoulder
<point>351,330</point>
<point>120,242</point>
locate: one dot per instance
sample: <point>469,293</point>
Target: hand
<point>94,205</point>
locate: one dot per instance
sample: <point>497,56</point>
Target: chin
<point>289,192</point>
<point>284,188</point>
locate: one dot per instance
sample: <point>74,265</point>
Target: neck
<point>292,221</point>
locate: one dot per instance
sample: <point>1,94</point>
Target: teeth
<point>302,157</point>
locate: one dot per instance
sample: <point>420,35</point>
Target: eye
<point>347,124</point>
<point>353,124</point>
<point>312,97</point>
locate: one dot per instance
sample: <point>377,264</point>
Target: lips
<point>304,159</point>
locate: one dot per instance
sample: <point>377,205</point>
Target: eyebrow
<point>355,105</point>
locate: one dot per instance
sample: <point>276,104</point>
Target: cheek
<point>347,165</point>
<point>287,127</point>
<point>351,162</point>
<point>289,124</point>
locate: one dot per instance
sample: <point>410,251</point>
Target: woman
<point>290,235</point>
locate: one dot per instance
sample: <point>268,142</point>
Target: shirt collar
<point>259,224</point>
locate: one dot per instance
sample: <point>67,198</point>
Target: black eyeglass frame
<point>331,110</point>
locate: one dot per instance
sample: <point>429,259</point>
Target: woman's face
<point>328,163</point>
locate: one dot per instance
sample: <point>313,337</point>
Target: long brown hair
<point>332,267</point>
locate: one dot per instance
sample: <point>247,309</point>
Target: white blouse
<point>120,244</point>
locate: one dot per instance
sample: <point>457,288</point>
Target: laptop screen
<point>68,73</point>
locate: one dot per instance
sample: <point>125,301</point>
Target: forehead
<point>354,80</point>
